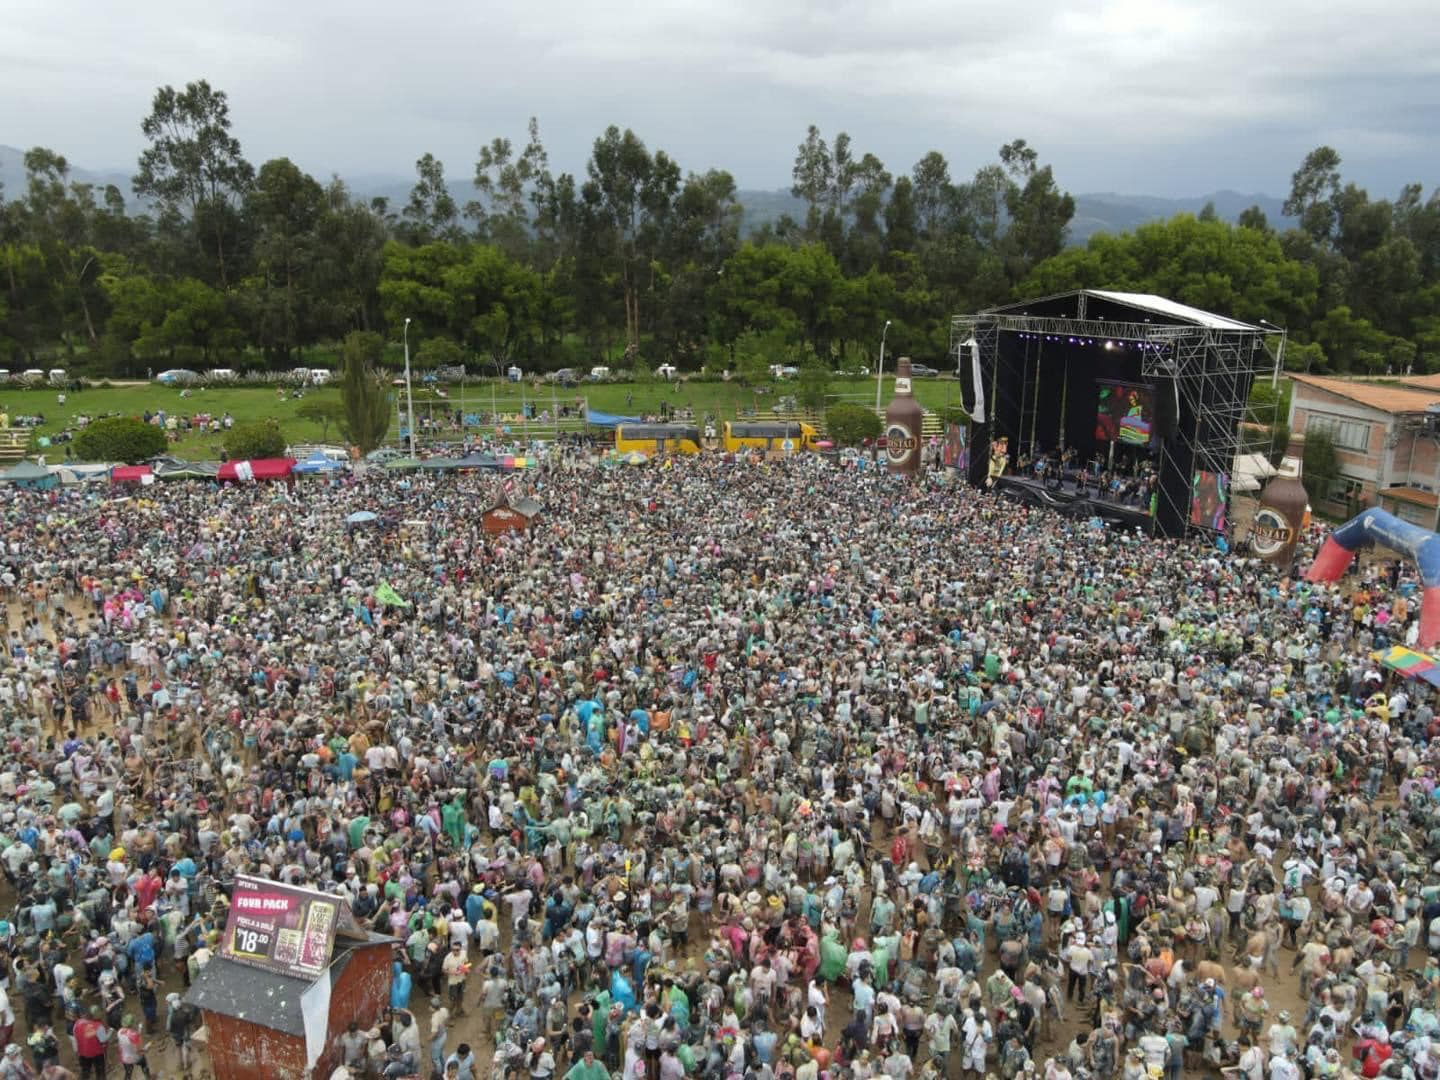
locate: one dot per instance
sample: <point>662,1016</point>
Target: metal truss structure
<point>1209,370</point>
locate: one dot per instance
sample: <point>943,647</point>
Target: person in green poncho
<point>358,825</point>
<point>587,1068</point>
<point>452,819</point>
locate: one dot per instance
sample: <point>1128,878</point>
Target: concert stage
<point>1070,501</point>
<point>1132,380</point>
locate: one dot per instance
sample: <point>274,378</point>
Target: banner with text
<point>281,928</point>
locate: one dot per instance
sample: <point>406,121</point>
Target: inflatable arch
<point>1381,527</point>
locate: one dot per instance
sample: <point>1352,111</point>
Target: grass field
<point>723,400</point>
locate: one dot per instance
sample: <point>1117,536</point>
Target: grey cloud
<point>1165,96</point>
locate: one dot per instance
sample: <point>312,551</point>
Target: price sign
<point>281,928</point>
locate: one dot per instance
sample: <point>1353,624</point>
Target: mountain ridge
<point>1095,212</point>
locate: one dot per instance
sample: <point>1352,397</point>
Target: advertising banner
<point>281,928</point>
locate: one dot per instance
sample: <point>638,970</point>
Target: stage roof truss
<point>1205,360</point>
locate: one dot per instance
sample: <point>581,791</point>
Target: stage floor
<point>1067,499</point>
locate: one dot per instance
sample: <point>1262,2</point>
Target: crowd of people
<point>724,768</point>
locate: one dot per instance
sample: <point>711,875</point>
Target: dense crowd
<point>727,768</point>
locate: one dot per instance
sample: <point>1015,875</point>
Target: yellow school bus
<point>767,435</point>
<point>657,439</point>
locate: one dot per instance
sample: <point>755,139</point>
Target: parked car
<point>565,377</point>
<point>177,377</point>
<point>923,371</point>
<point>514,374</point>
<point>223,375</point>
<point>666,371</point>
<point>599,373</point>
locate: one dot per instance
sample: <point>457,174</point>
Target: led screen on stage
<point>1207,500</point>
<point>1126,413</point>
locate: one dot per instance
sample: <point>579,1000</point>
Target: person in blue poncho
<point>399,987</point>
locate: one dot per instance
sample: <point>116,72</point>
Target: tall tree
<point>364,396</point>
<point>507,185</point>
<point>285,207</point>
<point>193,164</point>
<point>1313,190</point>
<point>432,213</point>
<point>629,194</point>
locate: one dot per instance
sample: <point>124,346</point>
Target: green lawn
<point>723,400</point>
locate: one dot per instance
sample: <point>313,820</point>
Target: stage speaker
<point>1167,419</point>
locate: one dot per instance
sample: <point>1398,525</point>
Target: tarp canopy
<point>404,464</point>
<point>478,461</point>
<point>1410,663</point>
<point>257,469</point>
<point>27,474</point>
<point>608,420</point>
<point>174,469</point>
<point>440,463</point>
<point>25,470</point>
<point>319,463</point>
<point>130,474</point>
<point>76,473</point>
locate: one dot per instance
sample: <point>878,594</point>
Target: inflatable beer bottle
<point>1284,509</point>
<point>903,424</point>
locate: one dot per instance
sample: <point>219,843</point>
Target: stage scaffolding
<point>1208,369</point>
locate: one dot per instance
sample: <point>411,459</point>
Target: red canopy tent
<point>256,469</point>
<point>129,474</point>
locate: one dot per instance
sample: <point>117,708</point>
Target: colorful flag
<point>386,594</point>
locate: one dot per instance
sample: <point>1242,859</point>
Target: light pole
<point>880,375</point>
<point>409,398</point>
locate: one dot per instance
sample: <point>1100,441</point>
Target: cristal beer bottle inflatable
<point>903,420</point>
<point>1284,509</point>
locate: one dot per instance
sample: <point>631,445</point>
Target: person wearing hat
<point>12,1065</point>
<point>456,966</point>
<point>132,1047</point>
<point>439,1032</point>
<point>179,1022</point>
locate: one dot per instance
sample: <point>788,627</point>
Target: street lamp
<point>409,398</point>
<point>880,375</point>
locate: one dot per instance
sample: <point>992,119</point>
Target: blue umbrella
<point>360,517</point>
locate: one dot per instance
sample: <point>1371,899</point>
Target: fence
<point>539,417</point>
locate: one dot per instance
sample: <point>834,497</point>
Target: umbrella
<point>1411,664</point>
<point>360,517</point>
<point>635,457</point>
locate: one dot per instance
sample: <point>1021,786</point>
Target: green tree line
<point>639,261</point>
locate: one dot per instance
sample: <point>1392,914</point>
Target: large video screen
<point>1207,500</point>
<point>1125,414</point>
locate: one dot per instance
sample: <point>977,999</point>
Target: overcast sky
<point>1164,97</point>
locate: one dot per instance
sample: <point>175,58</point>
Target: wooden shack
<point>292,973</point>
<point>517,516</point>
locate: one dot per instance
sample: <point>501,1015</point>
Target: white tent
<point>1250,472</point>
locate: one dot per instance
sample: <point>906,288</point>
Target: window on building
<point>1416,515</point>
<point>1345,434</point>
<point>1347,489</point>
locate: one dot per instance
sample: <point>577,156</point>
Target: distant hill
<point>1108,212</point>
<point>1097,212</point>
<point>1100,212</point>
<point>12,176</point>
